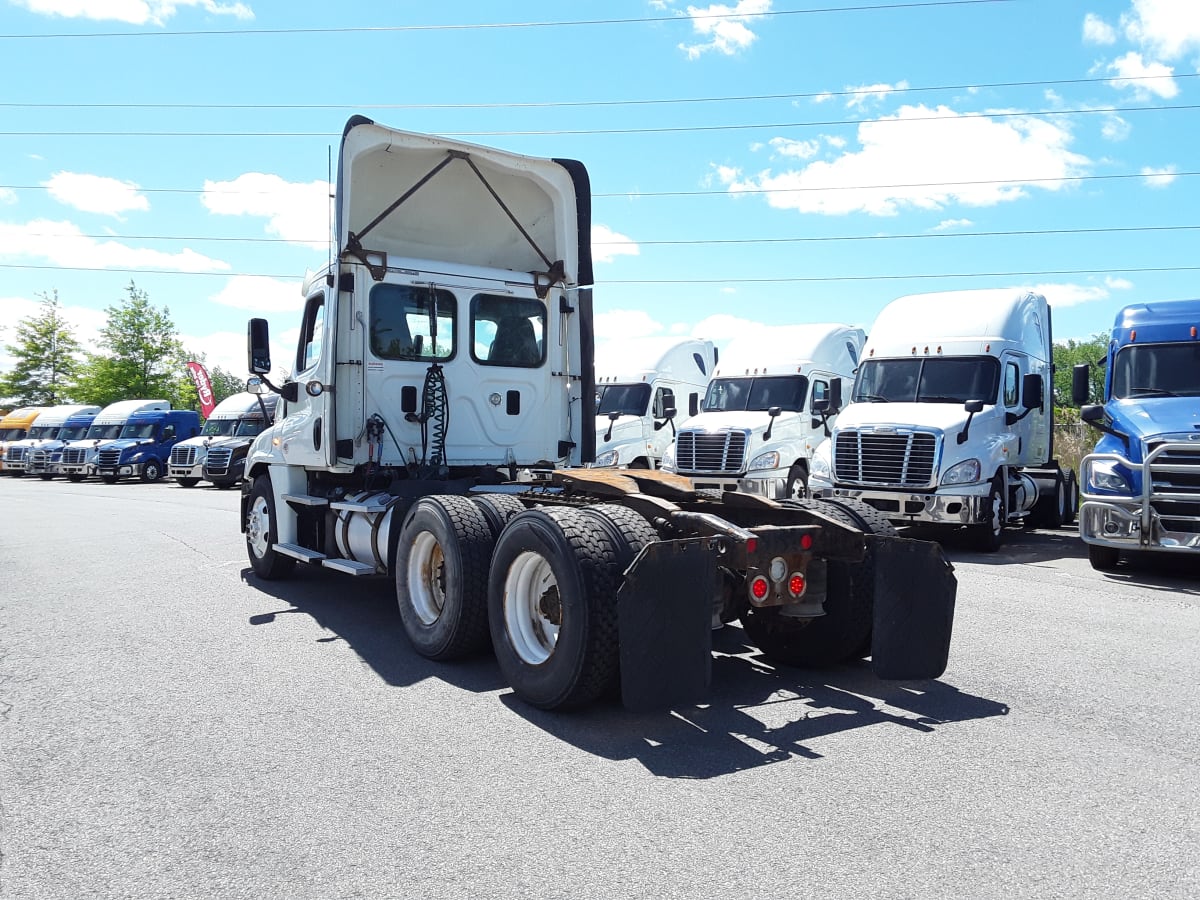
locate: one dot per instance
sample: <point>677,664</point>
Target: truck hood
<point>231,443</point>
<point>948,417</point>
<point>626,428</point>
<point>735,420</point>
<point>1156,417</point>
<point>124,444</point>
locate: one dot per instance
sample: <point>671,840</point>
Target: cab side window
<point>410,322</point>
<point>508,331</point>
<point>1012,381</point>
<point>312,332</point>
<point>820,390</point>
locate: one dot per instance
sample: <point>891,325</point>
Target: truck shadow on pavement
<point>755,715</point>
<point>1019,545</point>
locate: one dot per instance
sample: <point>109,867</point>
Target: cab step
<point>301,553</point>
<point>305,500</point>
<point>350,506</point>
<point>350,567</point>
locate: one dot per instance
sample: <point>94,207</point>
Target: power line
<point>666,129</point>
<point>487,26</point>
<point>561,104</point>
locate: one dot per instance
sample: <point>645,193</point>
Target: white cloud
<point>260,294</point>
<point>1168,29</point>
<point>824,97</point>
<point>795,149</point>
<point>85,323</point>
<point>868,92</point>
<point>953,224</point>
<point>63,244</point>
<point>1097,31</point>
<point>617,324</point>
<point>1062,295</point>
<point>1114,128</point>
<point>96,194</point>
<point>1154,78</point>
<point>607,244</point>
<point>1159,177</point>
<point>912,160</point>
<point>134,12</point>
<point>298,213</point>
<point>724,27</point>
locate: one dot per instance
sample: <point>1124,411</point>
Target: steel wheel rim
<point>533,633</point>
<point>995,522</point>
<point>258,527</point>
<point>426,578</point>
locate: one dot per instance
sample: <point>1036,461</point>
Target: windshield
<point>626,399</point>
<point>219,427</point>
<point>250,427</point>
<point>933,380</point>
<point>787,392</point>
<point>1157,370</point>
<point>139,430</point>
<point>44,432</point>
<point>74,433</point>
<point>12,434</point>
<point>104,432</point>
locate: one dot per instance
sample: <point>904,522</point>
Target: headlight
<point>819,468</point>
<point>607,458</point>
<point>668,459</point>
<point>966,472</point>
<point>1108,476</point>
<point>768,460</point>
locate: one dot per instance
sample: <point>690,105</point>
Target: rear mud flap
<point>915,590</point>
<point>664,612</point>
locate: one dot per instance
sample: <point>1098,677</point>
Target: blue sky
<point>761,161</point>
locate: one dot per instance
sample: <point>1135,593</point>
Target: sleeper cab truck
<point>951,418</point>
<point>145,443</point>
<point>225,462</point>
<point>186,464</point>
<point>1140,486</point>
<point>41,451</point>
<point>79,457</point>
<point>768,406</point>
<point>645,389</point>
<point>14,426</point>
<point>436,430</point>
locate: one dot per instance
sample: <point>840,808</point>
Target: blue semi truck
<point>145,443</point>
<point>1140,486</point>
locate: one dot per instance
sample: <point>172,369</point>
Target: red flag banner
<point>203,387</point>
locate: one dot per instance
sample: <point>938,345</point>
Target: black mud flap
<point>915,589</point>
<point>664,612</point>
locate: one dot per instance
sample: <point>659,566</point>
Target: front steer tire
<point>262,533</point>
<point>442,562</point>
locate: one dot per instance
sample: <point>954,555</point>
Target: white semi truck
<point>645,389</point>
<point>769,405</point>
<point>186,464</point>
<point>951,418</point>
<point>43,437</point>
<point>436,430</point>
<point>79,457</point>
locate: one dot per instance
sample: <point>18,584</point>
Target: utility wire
<point>485,26</point>
<point>562,104</point>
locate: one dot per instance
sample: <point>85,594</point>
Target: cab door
<point>306,436</point>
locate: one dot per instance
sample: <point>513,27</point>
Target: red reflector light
<point>796,584</point>
<point>806,542</point>
<point>759,587</point>
<point>751,545</point>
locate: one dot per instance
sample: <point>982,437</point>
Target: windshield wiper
<point>937,398</point>
<point>873,398</point>
<point>1157,392</point>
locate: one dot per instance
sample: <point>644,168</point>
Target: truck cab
<point>36,454</point>
<point>645,389</point>
<point>79,456</point>
<point>1140,486</point>
<point>235,415</point>
<point>144,444</point>
<point>767,408</point>
<point>224,463</point>
<point>950,421</point>
<point>14,426</point>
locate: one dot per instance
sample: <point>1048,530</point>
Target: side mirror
<point>772,412</point>
<point>973,406</point>
<point>668,412</point>
<point>1033,391</point>
<point>290,391</point>
<point>1081,384</point>
<point>1091,413</point>
<point>835,396</point>
<point>258,346</point>
<point>255,385</point>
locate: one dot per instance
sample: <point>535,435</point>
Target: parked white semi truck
<point>769,405</point>
<point>436,430</point>
<point>242,410</point>
<point>645,389</point>
<point>79,457</point>
<point>951,419</point>
<point>43,436</point>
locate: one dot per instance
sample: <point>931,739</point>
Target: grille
<point>38,460</point>
<point>183,456</point>
<point>895,459</point>
<point>14,454</point>
<point>74,457</point>
<point>218,461</point>
<point>709,451</point>
<point>1175,471</point>
<point>108,459</point>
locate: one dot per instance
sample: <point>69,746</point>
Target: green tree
<point>46,358</point>
<point>143,354</point>
<point>1071,353</point>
